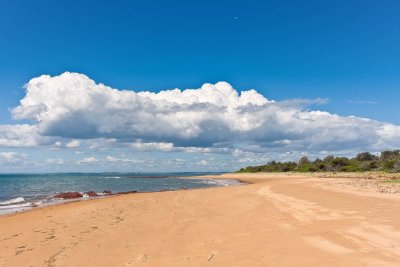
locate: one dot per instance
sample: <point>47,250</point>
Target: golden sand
<point>277,220</point>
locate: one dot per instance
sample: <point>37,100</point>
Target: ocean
<point>20,192</point>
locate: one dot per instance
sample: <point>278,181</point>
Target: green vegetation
<point>387,161</point>
<point>392,181</point>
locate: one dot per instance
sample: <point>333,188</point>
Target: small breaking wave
<point>46,196</point>
<point>222,182</point>
<point>17,206</point>
<point>12,201</point>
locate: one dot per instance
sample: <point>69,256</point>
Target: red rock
<point>91,194</point>
<point>69,195</point>
<point>107,192</point>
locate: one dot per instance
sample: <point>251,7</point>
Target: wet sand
<point>276,220</point>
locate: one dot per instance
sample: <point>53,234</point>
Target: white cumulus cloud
<point>21,135</point>
<point>12,157</point>
<point>73,107</point>
<point>55,161</point>
<point>153,146</point>
<point>73,144</point>
<point>87,160</point>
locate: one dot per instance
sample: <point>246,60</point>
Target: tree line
<point>388,161</point>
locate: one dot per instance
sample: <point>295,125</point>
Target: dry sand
<point>278,220</point>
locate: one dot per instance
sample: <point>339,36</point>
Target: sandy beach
<point>275,220</point>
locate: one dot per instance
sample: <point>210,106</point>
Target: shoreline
<point>60,201</point>
<point>260,223</point>
<point>242,180</point>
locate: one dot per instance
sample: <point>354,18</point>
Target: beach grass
<point>392,181</point>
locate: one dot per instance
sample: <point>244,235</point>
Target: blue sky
<point>344,51</point>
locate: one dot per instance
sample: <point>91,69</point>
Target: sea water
<point>23,191</point>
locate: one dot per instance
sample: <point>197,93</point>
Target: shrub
<point>304,160</point>
<point>368,165</point>
<point>366,156</point>
<point>388,165</point>
<point>350,168</point>
<point>390,155</point>
<point>328,159</point>
<point>307,168</point>
<point>340,161</point>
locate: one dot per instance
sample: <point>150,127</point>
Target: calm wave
<point>23,191</point>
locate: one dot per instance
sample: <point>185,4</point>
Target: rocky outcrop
<point>69,195</point>
<point>73,195</point>
<point>91,194</point>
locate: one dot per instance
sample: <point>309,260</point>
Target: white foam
<point>13,201</point>
<point>37,203</point>
<point>19,206</point>
<point>222,182</point>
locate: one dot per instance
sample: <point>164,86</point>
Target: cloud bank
<point>71,107</point>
